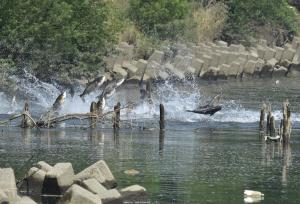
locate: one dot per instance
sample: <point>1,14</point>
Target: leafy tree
<point>161,18</point>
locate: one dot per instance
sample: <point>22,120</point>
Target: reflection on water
<point>182,166</point>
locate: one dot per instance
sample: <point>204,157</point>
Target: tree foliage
<point>55,35</point>
<point>161,18</point>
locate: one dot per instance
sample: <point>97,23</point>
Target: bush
<point>160,18</point>
<point>56,36</point>
<point>244,17</point>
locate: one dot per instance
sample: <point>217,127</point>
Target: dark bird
<point>92,86</point>
<point>209,109</point>
<point>59,101</point>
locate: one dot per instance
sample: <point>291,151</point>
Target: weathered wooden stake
<point>286,130</point>
<point>268,122</point>
<point>94,111</point>
<point>116,117</point>
<point>162,117</point>
<point>262,118</point>
<point>26,121</point>
<point>272,126</point>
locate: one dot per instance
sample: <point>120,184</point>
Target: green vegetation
<point>68,39</point>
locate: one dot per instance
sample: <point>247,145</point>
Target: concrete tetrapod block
<point>261,51</point>
<point>44,166</point>
<point>157,56</point>
<point>288,54</point>
<point>118,69</point>
<point>249,67</point>
<point>35,179</point>
<point>111,196</point>
<point>268,68</point>
<point>279,72</point>
<point>134,194</point>
<point>8,183</point>
<point>25,200</point>
<point>221,43</point>
<point>279,52</point>
<point>294,70</point>
<point>269,54</point>
<point>3,197</point>
<point>58,179</point>
<point>162,75</point>
<point>295,42</point>
<point>259,65</point>
<point>100,172</point>
<point>130,68</point>
<point>210,74</point>
<point>175,72</point>
<point>141,65</point>
<point>78,195</point>
<point>197,64</point>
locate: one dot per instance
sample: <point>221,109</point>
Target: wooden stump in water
<point>272,126</point>
<point>26,120</point>
<point>116,117</point>
<point>94,111</point>
<point>162,117</point>
<point>286,130</point>
<point>262,118</point>
<point>269,115</point>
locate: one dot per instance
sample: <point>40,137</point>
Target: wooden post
<point>262,118</point>
<point>268,122</point>
<point>286,130</point>
<point>162,117</point>
<point>161,141</point>
<point>116,119</point>
<point>93,110</point>
<point>26,121</point>
<point>272,126</point>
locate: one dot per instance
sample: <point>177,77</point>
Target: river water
<point>197,159</point>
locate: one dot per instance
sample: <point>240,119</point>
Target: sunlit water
<point>198,159</point>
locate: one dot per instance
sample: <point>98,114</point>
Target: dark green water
<point>181,166</point>
<point>198,159</point>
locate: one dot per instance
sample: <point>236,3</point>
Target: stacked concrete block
<point>118,69</point>
<point>262,42</point>
<point>295,43</point>
<point>221,43</point>
<point>294,70</point>
<point>141,65</point>
<point>3,197</point>
<point>279,52</point>
<point>279,71</point>
<point>173,71</point>
<point>197,64</point>
<point>210,73</point>
<point>25,200</point>
<point>288,54</point>
<point>100,172</point>
<point>252,55</point>
<point>78,195</point>
<point>215,59</point>
<point>157,56</point>
<point>162,75</point>
<point>207,61</point>
<point>35,179</point>
<point>129,67</point>
<point>223,71</point>
<point>269,53</point>
<point>261,51</point>
<point>8,184</point>
<point>249,68</point>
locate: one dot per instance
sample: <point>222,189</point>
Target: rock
<point>8,183</point>
<point>221,43</point>
<point>25,200</point>
<point>78,195</point>
<point>250,193</point>
<point>131,172</point>
<point>3,197</point>
<point>100,172</point>
<point>44,166</point>
<point>111,197</point>
<point>280,71</point>
<point>134,194</point>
